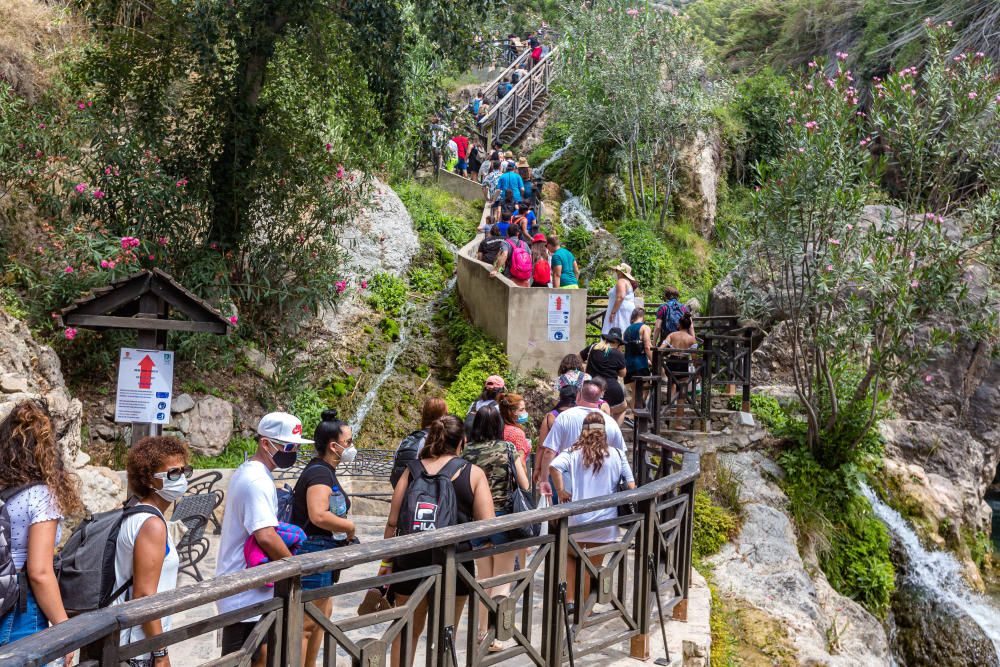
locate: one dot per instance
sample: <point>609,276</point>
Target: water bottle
<point>338,505</point>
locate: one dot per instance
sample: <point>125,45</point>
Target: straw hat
<point>625,270</point>
<point>522,162</point>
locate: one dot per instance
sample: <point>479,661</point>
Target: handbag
<point>520,501</point>
<point>627,508</point>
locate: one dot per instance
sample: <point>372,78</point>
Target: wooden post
<point>150,307</point>
<point>747,368</point>
<point>643,585</point>
<point>290,592</point>
<point>552,611</point>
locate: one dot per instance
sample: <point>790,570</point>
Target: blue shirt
<point>511,180</point>
<point>503,229</point>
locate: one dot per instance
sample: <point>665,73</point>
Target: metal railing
<point>516,110</point>
<point>649,564</point>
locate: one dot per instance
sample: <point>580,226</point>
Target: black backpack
<point>86,565</point>
<point>407,451</point>
<point>9,584</point>
<point>430,501</point>
<point>470,416</point>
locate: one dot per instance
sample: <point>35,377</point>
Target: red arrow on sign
<point>146,373</point>
<point>558,303</point>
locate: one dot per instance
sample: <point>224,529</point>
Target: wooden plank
<point>184,301</point>
<point>112,299</point>
<point>113,322</point>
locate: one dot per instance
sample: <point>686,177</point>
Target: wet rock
<point>931,632</point>
<point>610,201</point>
<point>699,172</point>
<point>260,363</point>
<point>208,426</point>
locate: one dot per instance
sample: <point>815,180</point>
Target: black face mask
<point>283,459</point>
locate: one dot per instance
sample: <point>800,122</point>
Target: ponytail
<point>327,431</point>
<point>444,437</point>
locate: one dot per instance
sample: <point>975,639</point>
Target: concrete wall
<point>459,185</point>
<point>518,316</point>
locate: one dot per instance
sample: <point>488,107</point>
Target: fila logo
<point>424,517</point>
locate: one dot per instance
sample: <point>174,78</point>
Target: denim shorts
<point>17,624</point>
<point>313,544</point>
<point>496,539</point>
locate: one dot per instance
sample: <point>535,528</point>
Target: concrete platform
<point>696,630</point>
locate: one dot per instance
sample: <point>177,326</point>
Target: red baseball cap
<point>538,238</point>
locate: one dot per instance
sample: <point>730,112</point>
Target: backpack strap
<point>110,548</point>
<point>12,491</point>
<point>416,468</point>
<point>453,466</point>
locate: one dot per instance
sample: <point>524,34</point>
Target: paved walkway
<point>202,649</point>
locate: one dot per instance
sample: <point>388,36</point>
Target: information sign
<point>145,386</point>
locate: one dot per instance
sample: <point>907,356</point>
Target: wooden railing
<point>647,569</point>
<point>518,107</point>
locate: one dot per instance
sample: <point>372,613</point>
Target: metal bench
<point>205,483</point>
<point>194,512</point>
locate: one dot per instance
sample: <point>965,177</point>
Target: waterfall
<point>938,572</point>
<point>540,169</point>
<point>574,213</point>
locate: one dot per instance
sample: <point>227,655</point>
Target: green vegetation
<point>238,449</point>
<point>479,356</point>
<point>713,526</point>
<point>766,409</point>
<point>387,293</point>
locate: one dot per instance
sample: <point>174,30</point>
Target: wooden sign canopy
<point>142,302</point>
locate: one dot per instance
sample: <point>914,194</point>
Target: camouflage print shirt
<point>494,456</point>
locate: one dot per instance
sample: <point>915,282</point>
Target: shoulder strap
<point>142,509</point>
<point>12,491</point>
<point>453,466</point>
<point>416,468</point>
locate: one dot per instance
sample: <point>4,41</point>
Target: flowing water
<point>540,169</point>
<point>938,572</point>
<point>575,213</point>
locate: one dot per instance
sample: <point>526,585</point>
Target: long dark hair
<point>328,430</point>
<point>487,425</point>
<point>29,453</point>
<point>445,436</point>
<point>571,362</point>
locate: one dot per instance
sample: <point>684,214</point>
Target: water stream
<point>938,572</point>
<point>540,169</point>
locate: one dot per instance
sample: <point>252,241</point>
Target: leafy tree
<point>864,290</point>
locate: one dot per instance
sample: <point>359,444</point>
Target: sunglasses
<point>174,474</point>
<point>285,446</point>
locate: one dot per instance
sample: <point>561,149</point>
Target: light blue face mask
<point>523,418</point>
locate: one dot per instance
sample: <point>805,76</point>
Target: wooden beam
<point>181,301</point>
<point>113,299</point>
<point>111,322</point>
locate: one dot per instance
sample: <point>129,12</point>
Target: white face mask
<point>349,454</point>
<point>173,489</point>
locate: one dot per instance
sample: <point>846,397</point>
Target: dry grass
<point>32,33</point>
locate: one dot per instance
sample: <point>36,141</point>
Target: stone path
<point>202,649</point>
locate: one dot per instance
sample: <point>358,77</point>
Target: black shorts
<point>680,368</point>
<point>615,393</point>
<point>423,559</point>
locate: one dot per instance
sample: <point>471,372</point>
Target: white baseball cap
<point>282,427</point>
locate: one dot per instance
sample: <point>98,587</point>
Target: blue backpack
<point>286,496</point>
<point>671,313</point>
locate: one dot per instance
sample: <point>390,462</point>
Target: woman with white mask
<point>146,559</point>
<point>319,507</point>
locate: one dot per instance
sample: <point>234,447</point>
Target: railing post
<point>445,557</point>
<point>552,611</point>
<point>747,368</point>
<point>683,553</point>
<point>642,584</point>
<point>706,386</point>
<point>290,592</point>
<point>104,650</point>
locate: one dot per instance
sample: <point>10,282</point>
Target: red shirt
<point>515,436</point>
<point>463,146</point>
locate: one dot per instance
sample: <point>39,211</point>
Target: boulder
<point>610,200</point>
<point>34,372</point>
<point>698,175</point>
<point>182,403</point>
<point>207,427</point>
<point>260,363</point>
<point>762,568</point>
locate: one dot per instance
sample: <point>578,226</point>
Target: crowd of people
<point>453,469</point>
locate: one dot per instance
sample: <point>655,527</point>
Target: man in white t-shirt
<point>252,509</point>
<point>566,431</point>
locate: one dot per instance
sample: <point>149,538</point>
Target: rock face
<point>207,426</point>
<point>700,170</point>
<point>32,370</point>
<point>762,568</point>
<point>380,239</point>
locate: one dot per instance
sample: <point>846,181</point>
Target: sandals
<point>494,647</point>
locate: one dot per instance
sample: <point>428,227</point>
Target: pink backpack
<point>520,260</point>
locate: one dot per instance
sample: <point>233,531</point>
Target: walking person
<point>567,400</point>
<point>638,348</point>
<point>409,448</point>
<point>565,270</point>
<point>145,552</point>
<point>571,372</point>
<point>621,300</point>
<point>515,419</point>
<point>38,492</point>
<point>541,270</point>
<point>605,359</point>
<point>441,455</point>
<point>680,366</point>
<point>320,506</point>
<point>589,469</point>
<point>488,449</point>
<point>668,315</point>
<point>252,511</point>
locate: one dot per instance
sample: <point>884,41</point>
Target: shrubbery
<point>713,526</point>
<point>387,293</point>
<point>479,356</point>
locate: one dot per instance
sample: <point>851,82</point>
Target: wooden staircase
<point>510,118</point>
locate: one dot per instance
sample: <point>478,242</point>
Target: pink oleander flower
<point>81,188</point>
<point>328,147</point>
<point>841,56</point>
<point>213,245</point>
<point>829,267</point>
<point>41,126</point>
<point>151,257</point>
<point>809,86</point>
<point>850,227</point>
<point>632,12</point>
<point>890,239</point>
<point>181,183</point>
<point>811,125</point>
<point>111,264</point>
<point>162,240</point>
<point>833,241</point>
<point>341,286</point>
<point>68,269</point>
<point>340,172</point>
<point>949,23</point>
<point>973,95</point>
<point>233,319</point>
<point>928,379</point>
<point>929,216</point>
<point>81,105</point>
<point>812,63</point>
<point>70,333</point>
<point>104,263</point>
<point>914,284</point>
<point>129,242</point>
<point>364,284</point>
<point>98,194</point>
<point>913,255</point>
